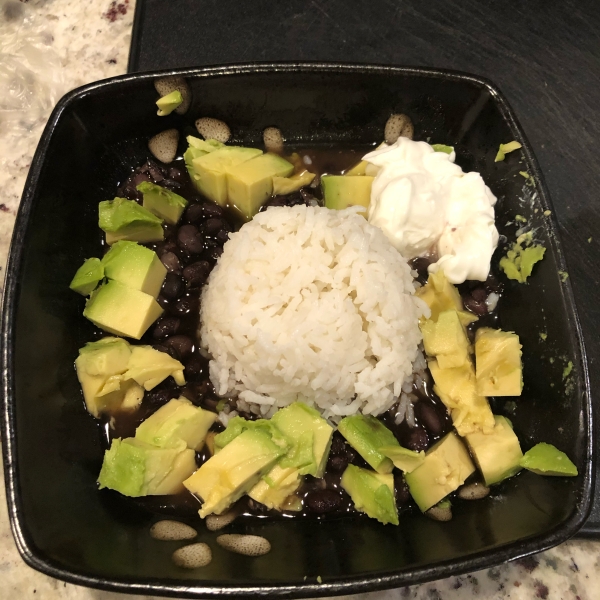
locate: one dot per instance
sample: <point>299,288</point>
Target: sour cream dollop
<point>424,202</point>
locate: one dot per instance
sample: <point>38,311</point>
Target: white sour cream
<point>423,202</point>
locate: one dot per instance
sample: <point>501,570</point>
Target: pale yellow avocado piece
<point>456,388</point>
<point>100,367</point>
<point>497,453</point>
<point>358,169</point>
<point>233,471</point>
<point>446,340</point>
<point>250,184</point>
<point>498,363</point>
<point>287,185</point>
<point>274,489</point>
<point>149,367</point>
<point>404,459</point>
<point>177,424</point>
<point>121,310</point>
<point>210,170</point>
<point>446,466</point>
<point>440,295</point>
<point>343,191</point>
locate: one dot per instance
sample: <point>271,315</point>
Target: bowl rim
<point>341,585</point>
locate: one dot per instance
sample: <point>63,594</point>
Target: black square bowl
<point>52,454</point>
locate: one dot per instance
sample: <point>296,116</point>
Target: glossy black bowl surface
<point>66,528</point>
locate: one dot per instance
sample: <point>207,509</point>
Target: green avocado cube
<point>149,367</point>
<point>161,202</point>
<point>123,219</point>
<point>546,459</point>
<point>372,493</point>
<point>87,277</point>
<point>100,367</point>
<point>122,310</point>
<point>250,184</point>
<point>134,468</point>
<point>167,104</point>
<point>366,434</point>
<point>446,466</point>
<point>210,170</point>
<point>177,424</point>
<point>310,436</point>
<point>276,486</point>
<point>497,453</point>
<point>135,266</point>
<point>498,363</point>
<point>446,340</point>
<point>238,425</point>
<point>404,459</point>
<point>234,470</point>
<point>342,191</point>
<point>196,149</point>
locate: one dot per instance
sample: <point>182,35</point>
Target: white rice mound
<point>312,304</point>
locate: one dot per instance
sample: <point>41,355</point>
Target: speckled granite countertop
<point>48,47</point>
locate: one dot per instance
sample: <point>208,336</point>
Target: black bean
<point>479,294</point>
<point>338,445</point>
<point>211,210</point>
<point>160,348</point>
<point>323,501</point>
<point>176,174</point>
<point>222,236</point>
<point>196,273</point>
<point>173,286</point>
<point>166,327</point>
<point>215,253</point>
<point>210,403</point>
<point>212,225</point>
<point>193,367</point>
<point>401,490</point>
<point>171,262</point>
<point>171,184</point>
<point>153,170</point>
<point>190,239</point>
<point>185,305</point>
<point>417,439</point>
<point>189,392</point>
<point>193,213</point>
<point>168,246</point>
<point>169,230</point>
<point>157,397</point>
<point>428,416</point>
<point>182,345</point>
<point>478,308</point>
<point>163,302</point>
<point>337,463</point>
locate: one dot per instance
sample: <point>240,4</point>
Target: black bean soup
<point>189,252</point>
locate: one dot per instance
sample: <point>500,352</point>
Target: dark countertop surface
<point>544,56</point>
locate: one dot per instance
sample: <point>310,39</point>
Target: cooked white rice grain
<point>312,304</point>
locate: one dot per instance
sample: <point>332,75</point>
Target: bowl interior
<point>69,529</point>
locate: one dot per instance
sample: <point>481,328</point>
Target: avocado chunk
<point>196,149</point>
<point>498,363</point>
<point>358,169</point>
<point>342,191</point>
<point>210,170</point>
<point>122,310</point>
<point>250,183</point>
<point>546,459</point>
<point>440,295</point>
<point>135,266</point>
<point>177,424</point>
<point>366,435</point>
<point>404,459</point>
<point>457,390</point>
<point>276,487</point>
<point>123,219</point>
<point>100,367</point>
<point>446,340</point>
<point>446,466</point>
<point>305,429</point>
<point>287,185</point>
<point>234,470</point>
<point>238,425</point>
<point>497,453</point>
<point>87,277</point>
<point>163,203</point>
<point>371,493</point>
<point>521,257</point>
<point>167,104</point>
<point>134,468</point>
<point>149,367</point>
